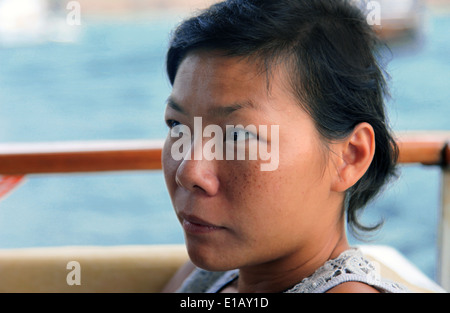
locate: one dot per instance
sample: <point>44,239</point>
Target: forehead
<point>214,62</point>
<point>223,78</point>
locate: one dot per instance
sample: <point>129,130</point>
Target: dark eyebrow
<point>172,104</point>
<point>214,111</point>
<point>227,110</point>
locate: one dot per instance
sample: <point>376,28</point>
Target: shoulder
<point>353,287</point>
<point>180,276</point>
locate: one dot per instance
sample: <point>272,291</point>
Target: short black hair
<point>332,56</point>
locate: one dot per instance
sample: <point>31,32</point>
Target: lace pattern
<point>351,265</point>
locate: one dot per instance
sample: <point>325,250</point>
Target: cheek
<point>169,166</point>
<point>285,195</point>
<point>242,181</point>
<point>254,197</point>
<point>265,209</point>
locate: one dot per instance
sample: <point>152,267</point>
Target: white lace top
<point>351,265</point>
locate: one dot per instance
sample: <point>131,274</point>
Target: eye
<point>177,129</point>
<point>235,134</point>
<point>172,123</point>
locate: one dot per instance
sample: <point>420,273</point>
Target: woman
<point>306,68</point>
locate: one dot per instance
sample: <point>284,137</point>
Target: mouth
<point>195,225</point>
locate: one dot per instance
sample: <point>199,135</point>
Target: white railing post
<point>444,232</point>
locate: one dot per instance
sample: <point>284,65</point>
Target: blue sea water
<point>111,85</point>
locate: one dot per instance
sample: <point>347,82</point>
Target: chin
<point>210,259</point>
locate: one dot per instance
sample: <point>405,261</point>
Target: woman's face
<point>233,213</point>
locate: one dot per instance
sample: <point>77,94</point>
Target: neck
<point>287,271</point>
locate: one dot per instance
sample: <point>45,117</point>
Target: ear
<point>353,157</point>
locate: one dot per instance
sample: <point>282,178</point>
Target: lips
<point>195,225</point>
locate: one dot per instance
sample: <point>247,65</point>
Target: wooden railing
<point>20,159</point>
<point>71,157</point>
<point>99,156</point>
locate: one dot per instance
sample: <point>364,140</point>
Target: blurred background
<point>94,70</point>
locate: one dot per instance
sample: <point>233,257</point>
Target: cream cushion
<point>144,268</point>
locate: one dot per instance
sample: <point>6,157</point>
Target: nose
<point>198,176</point>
